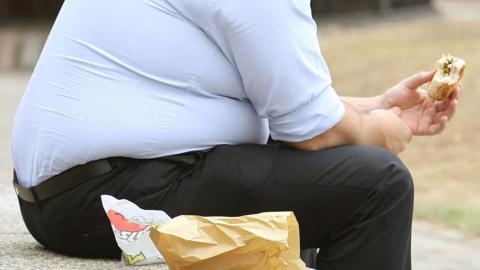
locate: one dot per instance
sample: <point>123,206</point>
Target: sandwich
<point>450,70</point>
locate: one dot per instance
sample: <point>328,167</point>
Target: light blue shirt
<point>150,78</point>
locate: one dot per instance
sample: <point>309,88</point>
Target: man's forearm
<point>354,128</point>
<point>365,104</point>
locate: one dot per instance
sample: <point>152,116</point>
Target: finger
<point>443,124</point>
<point>395,110</point>
<point>452,108</point>
<point>418,79</point>
<point>447,108</point>
<point>409,135</point>
<point>456,93</point>
<point>439,117</point>
<point>438,127</point>
<point>442,105</point>
<point>422,92</point>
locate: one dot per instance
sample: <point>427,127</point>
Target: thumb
<point>418,79</point>
<point>395,110</point>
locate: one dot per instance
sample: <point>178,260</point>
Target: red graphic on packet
<point>123,224</point>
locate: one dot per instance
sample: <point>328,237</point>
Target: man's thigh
<point>323,188</point>
<point>329,190</point>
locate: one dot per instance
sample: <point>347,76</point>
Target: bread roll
<point>450,70</point>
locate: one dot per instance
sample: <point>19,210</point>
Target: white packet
<point>131,227</point>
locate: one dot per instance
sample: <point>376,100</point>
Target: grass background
<point>446,168</point>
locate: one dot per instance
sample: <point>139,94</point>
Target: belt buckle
<point>15,187</point>
<point>26,194</point>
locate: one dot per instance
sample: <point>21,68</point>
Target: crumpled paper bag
<point>131,226</point>
<point>261,241</point>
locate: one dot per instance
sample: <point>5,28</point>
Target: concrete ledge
<point>433,247</point>
<point>18,250</point>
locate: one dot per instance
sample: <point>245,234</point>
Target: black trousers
<point>354,203</point>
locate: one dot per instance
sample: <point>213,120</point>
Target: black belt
<point>62,182</point>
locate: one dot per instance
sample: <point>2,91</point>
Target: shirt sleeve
<point>274,46</point>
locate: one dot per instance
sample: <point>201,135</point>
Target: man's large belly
<point>55,137</point>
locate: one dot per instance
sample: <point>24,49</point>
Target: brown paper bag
<point>262,241</point>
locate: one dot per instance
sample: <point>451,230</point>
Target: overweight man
<point>170,104</point>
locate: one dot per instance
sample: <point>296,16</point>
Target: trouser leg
<point>352,202</point>
<point>309,257</point>
<point>355,203</point>
<point>377,235</point>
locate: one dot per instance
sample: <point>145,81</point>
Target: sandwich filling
<point>450,70</point>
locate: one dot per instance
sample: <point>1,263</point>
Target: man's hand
<point>396,133</point>
<point>421,114</point>
<point>430,117</point>
<point>407,93</point>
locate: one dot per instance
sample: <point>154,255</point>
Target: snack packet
<point>131,226</point>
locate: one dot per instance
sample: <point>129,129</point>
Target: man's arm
<point>379,128</point>
<point>365,104</point>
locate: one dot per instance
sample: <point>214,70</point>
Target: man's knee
<point>394,184</point>
<point>386,172</point>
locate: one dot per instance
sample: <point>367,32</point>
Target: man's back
<point>116,79</point>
